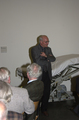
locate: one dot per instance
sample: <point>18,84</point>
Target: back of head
<point>5,92</point>
<point>4,74</point>
<point>3,111</point>
<point>34,70</point>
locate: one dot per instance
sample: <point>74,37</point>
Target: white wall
<point>21,21</point>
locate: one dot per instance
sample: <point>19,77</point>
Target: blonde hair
<point>5,92</point>
<point>4,73</point>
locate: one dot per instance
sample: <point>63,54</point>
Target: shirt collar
<point>43,48</point>
<point>31,81</point>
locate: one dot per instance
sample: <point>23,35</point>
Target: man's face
<point>9,80</point>
<point>44,42</point>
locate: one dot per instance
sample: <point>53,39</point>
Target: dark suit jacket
<point>43,61</point>
<point>35,90</point>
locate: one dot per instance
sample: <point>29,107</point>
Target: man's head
<point>3,111</point>
<point>43,40</point>
<point>5,92</point>
<point>33,71</point>
<point>5,74</point>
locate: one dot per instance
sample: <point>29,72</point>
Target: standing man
<point>43,56</point>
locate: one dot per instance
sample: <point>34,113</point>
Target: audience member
<point>20,101</point>
<point>42,55</point>
<point>5,92</point>
<point>5,97</point>
<point>34,86</point>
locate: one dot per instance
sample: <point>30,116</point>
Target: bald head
<point>43,40</point>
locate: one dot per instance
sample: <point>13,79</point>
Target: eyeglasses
<point>47,41</point>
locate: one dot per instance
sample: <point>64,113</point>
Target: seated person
<point>20,101</point>
<point>34,86</point>
<point>5,92</point>
<point>5,96</point>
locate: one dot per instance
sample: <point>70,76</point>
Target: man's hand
<point>50,55</point>
<point>43,54</point>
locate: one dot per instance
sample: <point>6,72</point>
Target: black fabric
<point>77,85</point>
<point>76,93</point>
<point>45,98</point>
<point>76,109</point>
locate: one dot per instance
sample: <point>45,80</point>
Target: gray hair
<point>4,73</point>
<point>34,70</point>
<point>3,111</point>
<point>40,38</point>
<point>5,92</point>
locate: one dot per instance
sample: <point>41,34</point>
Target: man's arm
<point>41,58</point>
<point>50,56</point>
<point>28,104</point>
<point>37,58</point>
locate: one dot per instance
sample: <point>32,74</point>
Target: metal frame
<point>56,81</point>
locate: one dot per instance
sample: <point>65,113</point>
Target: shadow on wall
<point>22,71</point>
<point>30,56</point>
